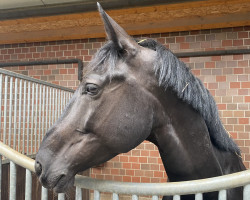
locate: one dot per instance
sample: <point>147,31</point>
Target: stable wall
<point>227,78</point>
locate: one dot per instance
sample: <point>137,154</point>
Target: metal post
<point>96,195</point>
<point>28,185</point>
<point>28,119</point>
<point>78,193</point>
<point>10,110</point>
<point>24,114</point>
<point>43,111</point>
<point>155,197</point>
<point>44,194</point>
<point>47,109</point>
<point>61,196</point>
<point>36,118</point>
<point>222,195</point>
<point>135,197</point>
<point>198,196</point>
<point>12,195</point>
<point>15,114</point>
<point>5,109</point>
<point>177,197</point>
<point>0,174</point>
<point>32,118</point>
<point>40,113</point>
<point>246,192</point>
<point>50,105</point>
<point>115,196</point>
<point>19,114</point>
<point>1,85</point>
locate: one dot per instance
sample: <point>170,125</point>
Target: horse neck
<point>183,141</point>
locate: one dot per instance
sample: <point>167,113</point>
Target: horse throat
<point>183,141</point>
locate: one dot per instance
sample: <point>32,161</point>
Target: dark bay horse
<point>134,91</point>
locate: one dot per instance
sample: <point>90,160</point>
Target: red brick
<point>126,165</point>
<point>235,85</point>
<point>158,174</point>
<point>243,35</point>
<point>143,159</point>
<point>47,72</point>
<point>237,42</point>
<point>184,46</point>
<point>123,158</point>
<point>243,120</point>
<point>210,65</point>
<point>136,166</point>
<point>226,43</point>
<point>220,78</point>
<point>136,179</point>
<point>247,99</point>
<point>245,85</point>
<point>221,106</point>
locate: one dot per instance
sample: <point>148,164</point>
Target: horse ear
<point>116,33</point>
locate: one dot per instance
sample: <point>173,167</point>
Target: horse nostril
<point>38,168</point>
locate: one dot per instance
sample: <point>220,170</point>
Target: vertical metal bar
<point>53,105</point>
<point>116,196</point>
<point>0,174</point>
<point>28,119</point>
<point>246,192</point>
<point>32,118</point>
<point>96,195</point>
<point>62,93</point>
<point>15,114</point>
<point>155,197</point>
<point>28,185</point>
<point>5,109</point>
<point>20,114</point>
<point>135,197</point>
<point>56,107</point>
<point>10,110</point>
<point>47,108</point>
<point>36,119</point>
<point>43,109</point>
<point>78,193</point>
<point>177,197</point>
<point>24,113</point>
<point>222,195</point>
<point>61,196</point>
<point>50,105</point>
<point>44,194</point>
<point>198,196</point>
<point>12,195</point>
<point>40,111</point>
<point>1,85</point>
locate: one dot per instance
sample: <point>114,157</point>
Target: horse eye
<point>91,89</point>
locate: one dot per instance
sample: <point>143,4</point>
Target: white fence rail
<point>196,187</point>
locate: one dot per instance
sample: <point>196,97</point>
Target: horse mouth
<point>63,184</point>
<point>60,184</point>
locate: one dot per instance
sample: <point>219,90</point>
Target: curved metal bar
<point>174,188</point>
<point>27,78</point>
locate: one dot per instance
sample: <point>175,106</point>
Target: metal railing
<point>28,107</point>
<point>197,187</point>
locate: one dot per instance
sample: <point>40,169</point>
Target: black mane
<point>173,73</point>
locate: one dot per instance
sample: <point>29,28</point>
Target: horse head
<point>111,112</point>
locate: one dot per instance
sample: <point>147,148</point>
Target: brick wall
<point>227,78</point>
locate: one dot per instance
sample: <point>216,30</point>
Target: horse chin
<point>64,184</point>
